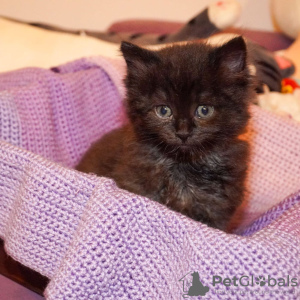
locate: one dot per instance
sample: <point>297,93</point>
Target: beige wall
<point>99,14</point>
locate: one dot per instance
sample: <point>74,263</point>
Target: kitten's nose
<point>183,135</point>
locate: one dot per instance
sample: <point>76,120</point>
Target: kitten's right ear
<point>231,57</point>
<point>135,55</point>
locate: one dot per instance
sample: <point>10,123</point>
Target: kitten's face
<point>186,99</point>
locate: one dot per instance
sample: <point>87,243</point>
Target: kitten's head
<point>185,99</point>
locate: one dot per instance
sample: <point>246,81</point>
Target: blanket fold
<point>96,241</point>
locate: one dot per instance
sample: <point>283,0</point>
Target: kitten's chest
<point>183,181</point>
<point>188,182</point>
<point>165,181</point>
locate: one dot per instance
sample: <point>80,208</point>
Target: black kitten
<point>187,106</point>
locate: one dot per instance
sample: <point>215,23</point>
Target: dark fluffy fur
<point>196,166</point>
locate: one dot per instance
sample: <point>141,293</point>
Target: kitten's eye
<point>204,111</point>
<point>163,111</point>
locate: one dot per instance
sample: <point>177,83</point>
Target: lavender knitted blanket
<point>95,241</point>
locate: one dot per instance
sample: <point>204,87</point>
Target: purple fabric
<point>96,241</point>
<point>32,98</point>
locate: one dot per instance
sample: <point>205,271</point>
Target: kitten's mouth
<point>176,149</point>
<point>184,148</point>
<point>183,152</point>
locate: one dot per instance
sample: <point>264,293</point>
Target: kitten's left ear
<point>135,55</point>
<point>232,56</point>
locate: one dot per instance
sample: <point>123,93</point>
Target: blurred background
<point>99,14</point>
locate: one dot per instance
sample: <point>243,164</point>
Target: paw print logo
<point>260,280</point>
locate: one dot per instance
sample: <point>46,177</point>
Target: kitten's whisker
<point>165,150</point>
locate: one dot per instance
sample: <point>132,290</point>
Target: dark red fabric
<point>271,40</point>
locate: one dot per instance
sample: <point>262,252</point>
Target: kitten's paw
<point>224,13</point>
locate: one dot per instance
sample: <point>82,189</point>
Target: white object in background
<point>224,13</point>
<point>27,46</point>
<point>283,104</point>
<point>286,15</point>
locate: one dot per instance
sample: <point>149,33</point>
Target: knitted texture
<point>96,241</point>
